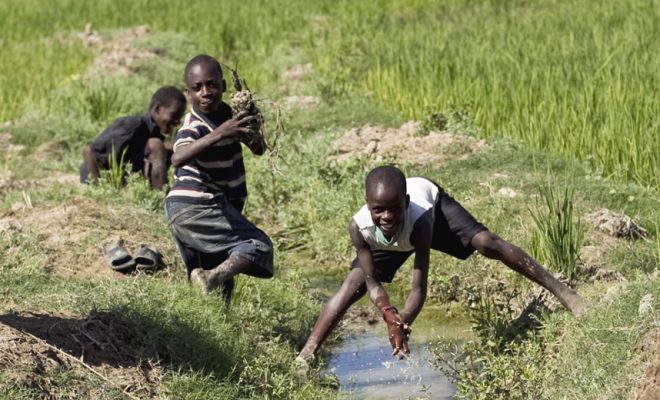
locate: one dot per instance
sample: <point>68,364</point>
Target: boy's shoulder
<point>126,123</point>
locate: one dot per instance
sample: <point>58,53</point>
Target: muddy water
<point>366,370</point>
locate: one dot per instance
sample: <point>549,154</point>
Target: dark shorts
<point>453,230</point>
<point>208,233</point>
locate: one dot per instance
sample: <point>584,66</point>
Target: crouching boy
<point>405,216</point>
<point>137,140</point>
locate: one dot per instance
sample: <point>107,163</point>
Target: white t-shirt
<point>423,195</point>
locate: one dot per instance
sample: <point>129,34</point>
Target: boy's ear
<point>407,200</point>
<point>223,86</point>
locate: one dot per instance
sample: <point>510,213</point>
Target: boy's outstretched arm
<point>421,239</point>
<point>397,330</point>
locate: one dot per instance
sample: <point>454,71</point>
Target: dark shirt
<point>129,134</point>
<point>219,171</point>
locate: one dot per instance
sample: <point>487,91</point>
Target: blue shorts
<point>207,233</point>
<point>453,230</point>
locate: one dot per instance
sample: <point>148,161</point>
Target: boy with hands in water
<point>405,216</point>
<point>204,206</point>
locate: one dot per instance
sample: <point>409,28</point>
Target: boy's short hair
<point>167,95</point>
<point>201,59</point>
<point>386,174</point>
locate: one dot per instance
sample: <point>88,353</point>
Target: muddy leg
<point>211,279</point>
<point>492,246</point>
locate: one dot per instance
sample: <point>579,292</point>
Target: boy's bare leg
<point>492,246</point>
<point>350,291</point>
<point>211,279</point>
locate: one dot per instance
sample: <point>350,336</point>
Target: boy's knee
<point>488,244</point>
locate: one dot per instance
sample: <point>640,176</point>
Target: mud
<point>615,224</point>
<point>116,54</point>
<point>405,144</point>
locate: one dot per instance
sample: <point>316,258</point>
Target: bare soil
<point>615,224</point>
<point>36,346</point>
<point>297,73</point>
<point>405,144</point>
<point>116,53</point>
<point>648,385</point>
<point>300,102</point>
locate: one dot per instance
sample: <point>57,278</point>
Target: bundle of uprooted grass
<point>243,101</point>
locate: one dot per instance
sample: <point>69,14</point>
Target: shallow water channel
<point>366,370</point>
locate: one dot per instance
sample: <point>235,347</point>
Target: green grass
<point>559,234</point>
<point>594,359</point>
<point>562,75</point>
<point>241,352</point>
<point>564,91</point>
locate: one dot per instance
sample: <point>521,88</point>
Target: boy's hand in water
<point>398,332</point>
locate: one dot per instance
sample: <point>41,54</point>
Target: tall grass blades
<point>102,102</point>
<point>117,170</point>
<point>576,78</point>
<point>558,234</point>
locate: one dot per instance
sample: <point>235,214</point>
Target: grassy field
<point>568,76</point>
<point>563,91</point>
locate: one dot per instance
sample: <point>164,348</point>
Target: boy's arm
<point>156,158</point>
<point>421,240</point>
<point>90,162</point>
<point>376,291</point>
<point>257,144</point>
<point>397,330</point>
<point>231,128</point>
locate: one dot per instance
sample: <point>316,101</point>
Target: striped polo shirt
<point>218,171</point>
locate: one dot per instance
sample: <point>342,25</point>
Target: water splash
<point>365,368</point>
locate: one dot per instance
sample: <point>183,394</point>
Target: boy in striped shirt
<point>204,206</point>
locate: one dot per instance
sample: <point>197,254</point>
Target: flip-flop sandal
<point>117,257</point>
<point>148,257</point>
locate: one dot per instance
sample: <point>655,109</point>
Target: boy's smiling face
<point>387,207</point>
<point>168,117</point>
<point>205,86</point>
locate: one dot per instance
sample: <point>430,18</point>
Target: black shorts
<point>453,230</point>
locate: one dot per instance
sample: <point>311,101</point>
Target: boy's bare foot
<point>211,279</point>
<point>200,277</point>
<point>302,365</point>
<point>576,304</point>
<point>571,300</point>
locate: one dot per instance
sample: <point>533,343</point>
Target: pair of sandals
<point>119,259</point>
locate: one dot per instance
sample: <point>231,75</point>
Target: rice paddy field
<point>579,78</point>
<point>506,103</point>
